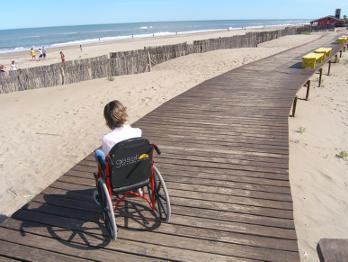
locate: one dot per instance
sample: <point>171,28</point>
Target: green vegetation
<point>301,130</point>
<point>306,33</point>
<point>342,155</point>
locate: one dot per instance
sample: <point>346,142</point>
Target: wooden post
<point>329,69</point>
<point>320,75</point>
<point>149,61</point>
<point>336,58</point>
<point>308,85</point>
<point>294,107</point>
<point>340,53</point>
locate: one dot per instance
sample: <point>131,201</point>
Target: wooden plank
<point>4,258</point>
<point>22,252</point>
<point>333,250</point>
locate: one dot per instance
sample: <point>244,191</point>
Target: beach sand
<point>23,59</point>
<point>319,179</point>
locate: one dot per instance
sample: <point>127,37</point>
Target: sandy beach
<point>319,179</point>
<point>72,52</point>
<point>47,131</point>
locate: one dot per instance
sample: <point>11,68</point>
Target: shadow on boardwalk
<point>76,221</point>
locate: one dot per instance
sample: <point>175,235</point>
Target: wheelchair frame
<point>113,200</point>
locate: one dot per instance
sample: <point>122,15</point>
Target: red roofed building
<point>330,21</point>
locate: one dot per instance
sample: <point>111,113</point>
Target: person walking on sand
<point>13,66</point>
<point>81,48</point>
<point>62,56</point>
<point>40,54</point>
<point>33,54</point>
<point>44,52</point>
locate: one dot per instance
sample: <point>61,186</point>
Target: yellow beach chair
<point>342,40</point>
<point>326,51</point>
<point>310,60</point>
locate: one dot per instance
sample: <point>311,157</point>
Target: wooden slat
<point>333,250</point>
<point>17,252</point>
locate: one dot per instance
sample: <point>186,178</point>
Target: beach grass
<point>342,155</point>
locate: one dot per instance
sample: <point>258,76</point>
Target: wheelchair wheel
<point>107,209</point>
<point>162,200</point>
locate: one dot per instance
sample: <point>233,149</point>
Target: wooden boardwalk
<point>225,161</point>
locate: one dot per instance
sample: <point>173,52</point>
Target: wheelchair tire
<point>107,209</point>
<point>162,200</point>
<point>96,197</point>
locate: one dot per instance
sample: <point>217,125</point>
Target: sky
<point>41,13</point>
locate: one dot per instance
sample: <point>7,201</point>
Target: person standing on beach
<point>13,66</point>
<point>81,48</point>
<point>62,56</point>
<point>2,69</point>
<point>33,54</point>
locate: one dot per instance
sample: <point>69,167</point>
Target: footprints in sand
<point>146,100</point>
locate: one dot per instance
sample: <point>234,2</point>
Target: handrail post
<point>329,69</point>
<point>294,103</point>
<point>320,75</point>
<point>308,85</point>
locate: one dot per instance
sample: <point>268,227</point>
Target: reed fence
<point>128,62</point>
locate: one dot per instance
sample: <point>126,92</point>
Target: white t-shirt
<point>117,135</point>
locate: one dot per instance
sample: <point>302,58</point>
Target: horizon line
<point>163,21</point>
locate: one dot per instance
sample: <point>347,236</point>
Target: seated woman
<point>115,114</point>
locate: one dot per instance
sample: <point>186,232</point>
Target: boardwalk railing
<point>128,62</point>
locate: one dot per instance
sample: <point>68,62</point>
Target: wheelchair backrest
<point>130,162</point>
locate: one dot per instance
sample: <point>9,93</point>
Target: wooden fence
<point>128,62</point>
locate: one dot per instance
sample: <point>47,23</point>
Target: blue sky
<point>39,13</point>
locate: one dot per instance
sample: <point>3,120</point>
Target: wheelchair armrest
<point>101,162</point>
<point>100,159</point>
<point>158,151</point>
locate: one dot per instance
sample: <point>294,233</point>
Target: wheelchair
<point>126,171</point>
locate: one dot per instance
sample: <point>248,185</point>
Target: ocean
<point>12,40</point>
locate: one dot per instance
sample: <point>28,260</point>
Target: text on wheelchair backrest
<point>130,160</point>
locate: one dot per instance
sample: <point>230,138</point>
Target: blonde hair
<point>115,114</point>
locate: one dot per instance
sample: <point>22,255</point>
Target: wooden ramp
<point>225,161</point>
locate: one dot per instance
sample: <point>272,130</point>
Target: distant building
<point>330,21</point>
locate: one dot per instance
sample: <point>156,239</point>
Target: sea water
<point>12,40</point>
